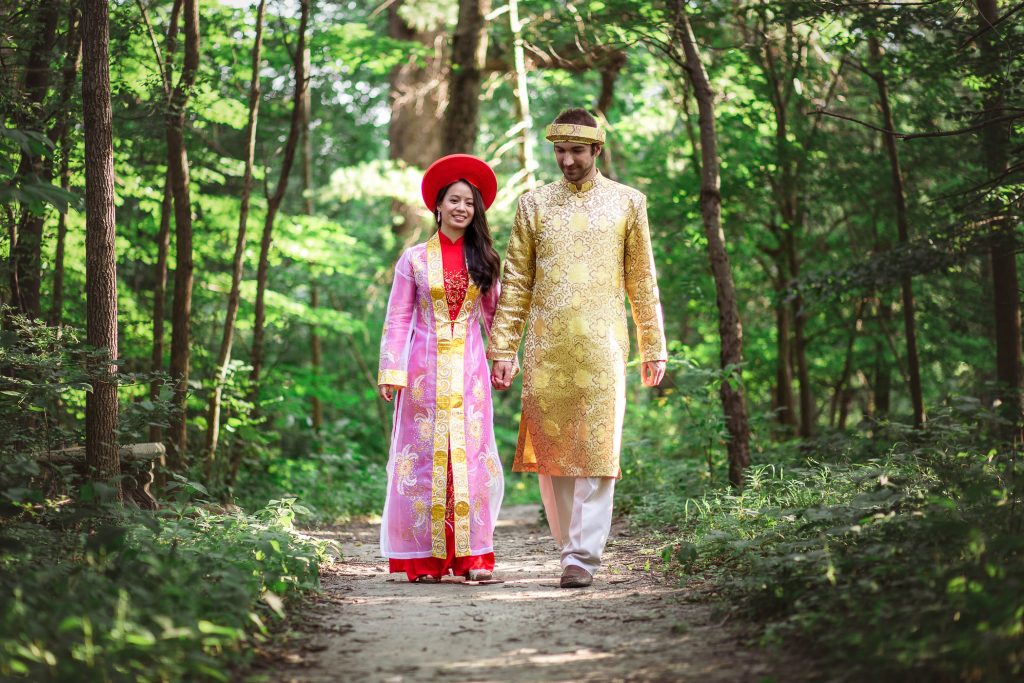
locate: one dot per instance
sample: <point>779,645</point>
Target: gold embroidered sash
<point>449,416</point>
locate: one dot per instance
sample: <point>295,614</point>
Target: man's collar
<point>585,186</point>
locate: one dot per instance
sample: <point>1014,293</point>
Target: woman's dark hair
<point>482,260</point>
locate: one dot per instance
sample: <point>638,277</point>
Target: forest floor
<point>633,624</point>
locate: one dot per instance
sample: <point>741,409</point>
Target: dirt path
<point>631,625</point>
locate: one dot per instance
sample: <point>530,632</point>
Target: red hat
<point>447,170</point>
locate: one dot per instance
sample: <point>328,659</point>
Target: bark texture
<point>469,50</point>
<point>995,139</point>
<point>177,162</point>
<point>101,408</point>
<point>730,329</point>
<point>26,249</point>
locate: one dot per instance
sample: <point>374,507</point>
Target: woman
<point>445,481</point>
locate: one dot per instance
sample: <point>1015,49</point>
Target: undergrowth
<point>101,593</point>
<point>892,556</point>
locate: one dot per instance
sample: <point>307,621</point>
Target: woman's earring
<point>439,216</point>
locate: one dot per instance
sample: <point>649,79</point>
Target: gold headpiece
<point>573,132</point>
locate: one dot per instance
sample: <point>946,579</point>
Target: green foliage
<point>174,595</point>
<point>895,562</point>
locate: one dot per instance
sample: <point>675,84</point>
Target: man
<point>578,247</point>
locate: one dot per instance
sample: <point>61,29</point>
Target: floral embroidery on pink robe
<point>443,369</point>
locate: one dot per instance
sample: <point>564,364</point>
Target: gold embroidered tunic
<point>573,256</point>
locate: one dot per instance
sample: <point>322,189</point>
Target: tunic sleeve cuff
<point>495,354</point>
<point>397,378</point>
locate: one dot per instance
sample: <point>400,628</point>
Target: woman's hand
<point>388,391</point>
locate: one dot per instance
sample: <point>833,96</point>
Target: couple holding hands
<point>578,247</point>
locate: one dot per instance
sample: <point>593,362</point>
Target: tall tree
<point>164,63</point>
<point>177,162</point>
<point>26,244</point>
<point>315,347</point>
<point>995,140</point>
<point>524,127</point>
<point>419,91</point>
<point>60,136</point>
<point>237,263</point>
<point>903,227</point>
<point>730,329</point>
<point>273,206</point>
<point>469,50</point>
<point>101,409</point>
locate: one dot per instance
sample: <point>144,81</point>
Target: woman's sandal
<point>426,578</point>
<point>479,575</point>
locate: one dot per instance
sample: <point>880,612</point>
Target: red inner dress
<point>456,283</point>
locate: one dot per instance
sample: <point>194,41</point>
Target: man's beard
<point>576,172</point>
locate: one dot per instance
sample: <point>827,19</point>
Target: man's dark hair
<point>580,117</point>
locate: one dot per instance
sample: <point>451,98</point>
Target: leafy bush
<point>115,595</point>
<point>900,563</point>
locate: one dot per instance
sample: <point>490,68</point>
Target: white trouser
<point>579,511</point>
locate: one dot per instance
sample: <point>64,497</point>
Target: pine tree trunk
<point>730,328</point>
<point>469,49</point>
<point>903,226</point>
<point>26,250</point>
<point>237,264</point>
<point>101,408</point>
<point>177,161</point>
<point>995,140</point>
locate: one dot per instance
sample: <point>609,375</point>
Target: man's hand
<point>388,391</point>
<point>502,372</point>
<point>652,372</point>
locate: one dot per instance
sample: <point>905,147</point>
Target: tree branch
<point>915,136</point>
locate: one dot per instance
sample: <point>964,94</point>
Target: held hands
<point>388,391</point>
<point>652,372</point>
<point>502,372</point>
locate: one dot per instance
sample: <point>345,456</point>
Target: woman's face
<point>457,206</point>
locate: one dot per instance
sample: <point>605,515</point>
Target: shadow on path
<point>631,625</point>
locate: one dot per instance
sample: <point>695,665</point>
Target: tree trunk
<point>163,242</point>
<point>882,383</point>
<point>237,264</point>
<point>274,200</point>
<point>469,50</point>
<point>609,74</point>
<point>177,161</point>
<point>273,204</point>
<point>840,391</point>
<point>60,137</point>
<point>524,129</point>
<point>785,402</point>
<point>26,250</point>
<point>315,351</point>
<point>730,328</point>
<point>101,409</point>
<point>902,223</point>
<point>163,238</point>
<point>995,140</point>
<point>419,94</point>
<point>807,411</point>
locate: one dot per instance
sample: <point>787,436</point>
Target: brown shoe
<point>576,577</point>
<point>479,575</point>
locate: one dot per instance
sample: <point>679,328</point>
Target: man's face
<point>576,160</point>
